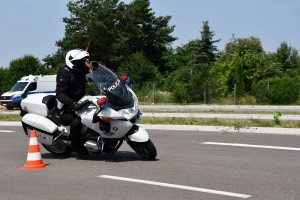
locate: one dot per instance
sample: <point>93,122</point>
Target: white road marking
<point>252,146</point>
<point>6,131</point>
<point>243,196</point>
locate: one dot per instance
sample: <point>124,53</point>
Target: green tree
<point>240,46</point>
<point>179,66</point>
<point>54,62</point>
<point>113,31</point>
<point>147,33</point>
<point>242,63</point>
<point>206,50</point>
<point>182,56</point>
<point>190,67</point>
<point>141,70</point>
<point>205,56</point>
<point>97,22</point>
<point>287,57</point>
<point>265,67</point>
<point>27,65</point>
<point>179,85</point>
<point>3,72</point>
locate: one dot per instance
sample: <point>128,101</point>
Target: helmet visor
<point>83,55</point>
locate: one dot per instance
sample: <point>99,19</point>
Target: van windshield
<point>19,86</point>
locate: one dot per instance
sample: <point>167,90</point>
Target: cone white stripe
<point>34,156</point>
<point>33,141</point>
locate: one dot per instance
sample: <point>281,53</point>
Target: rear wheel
<point>58,149</point>
<point>146,150</point>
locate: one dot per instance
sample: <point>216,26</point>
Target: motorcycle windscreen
<point>112,87</point>
<point>119,97</point>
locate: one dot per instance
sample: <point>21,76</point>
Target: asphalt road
<point>187,167</point>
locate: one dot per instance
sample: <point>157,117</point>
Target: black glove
<point>78,106</point>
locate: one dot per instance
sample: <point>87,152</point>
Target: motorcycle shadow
<point>120,156</point>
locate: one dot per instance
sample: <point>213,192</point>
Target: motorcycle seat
<point>53,116</point>
<point>50,101</point>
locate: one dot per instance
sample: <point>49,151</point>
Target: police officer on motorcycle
<point>70,88</point>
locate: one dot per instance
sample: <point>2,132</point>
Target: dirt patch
<point>3,109</point>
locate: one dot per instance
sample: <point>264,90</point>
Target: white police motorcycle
<point>108,118</point>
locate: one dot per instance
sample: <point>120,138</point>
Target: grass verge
<point>218,112</point>
<point>203,122</point>
<point>10,118</point>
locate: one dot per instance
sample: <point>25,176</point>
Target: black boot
<point>77,146</point>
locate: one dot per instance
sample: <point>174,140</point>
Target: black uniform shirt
<point>70,87</point>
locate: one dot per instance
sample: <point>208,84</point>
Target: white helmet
<point>76,55</point>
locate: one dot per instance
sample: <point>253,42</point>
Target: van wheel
<point>9,107</point>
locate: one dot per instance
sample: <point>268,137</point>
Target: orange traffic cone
<point>34,158</point>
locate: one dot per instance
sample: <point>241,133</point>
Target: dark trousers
<point>75,129</point>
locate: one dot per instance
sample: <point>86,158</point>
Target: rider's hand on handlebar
<point>77,106</point>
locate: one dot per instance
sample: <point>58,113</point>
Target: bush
<point>181,93</point>
<point>278,90</point>
<point>179,85</point>
<point>146,95</point>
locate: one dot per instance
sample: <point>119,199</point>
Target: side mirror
<point>126,79</point>
<point>94,65</point>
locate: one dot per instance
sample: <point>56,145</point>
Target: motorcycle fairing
<point>117,130</point>
<point>139,135</point>
<point>44,127</point>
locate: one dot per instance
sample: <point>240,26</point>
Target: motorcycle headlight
<point>129,113</point>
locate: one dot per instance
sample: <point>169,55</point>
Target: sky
<point>32,27</point>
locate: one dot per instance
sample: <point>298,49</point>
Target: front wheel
<point>146,150</point>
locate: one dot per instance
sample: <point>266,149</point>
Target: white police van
<point>28,85</point>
